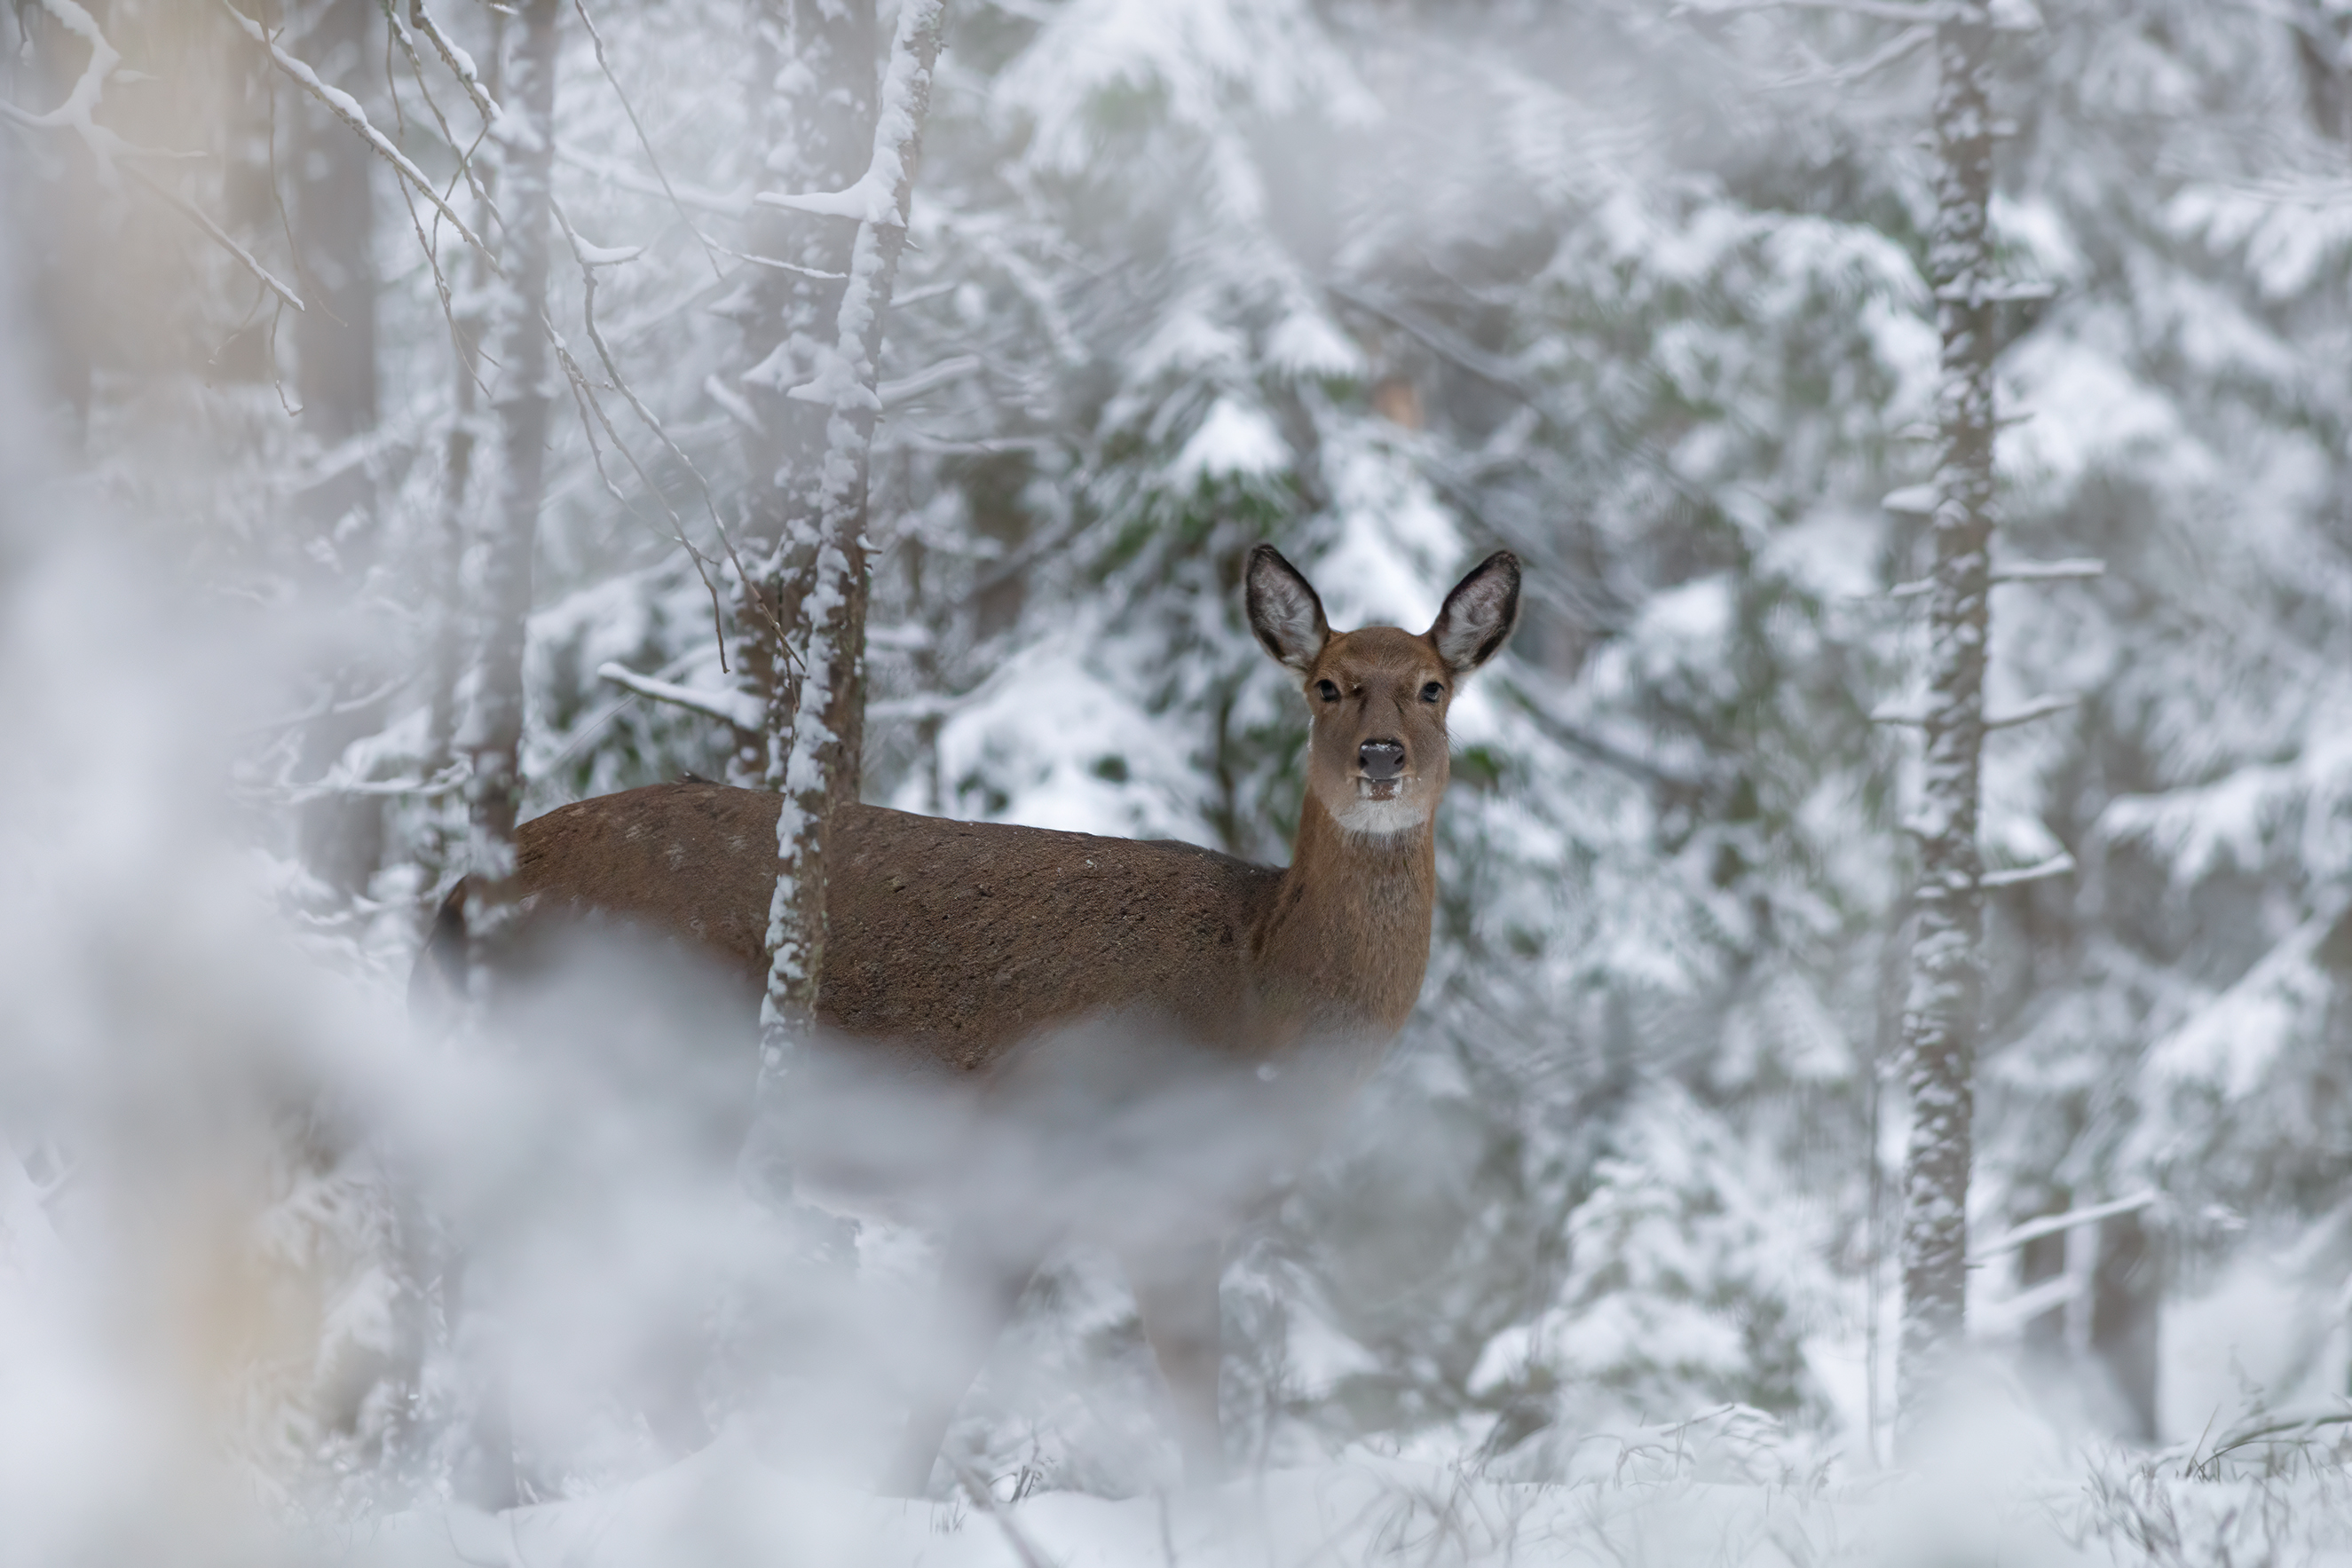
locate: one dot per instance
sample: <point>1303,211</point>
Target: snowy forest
<point>1882,1087</point>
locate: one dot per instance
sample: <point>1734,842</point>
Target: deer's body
<point>957,941</point>
<point>1135,1041</point>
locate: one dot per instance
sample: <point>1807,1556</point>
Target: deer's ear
<point>1284,610</point>
<point>1478,615</point>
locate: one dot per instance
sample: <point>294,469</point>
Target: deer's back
<point>955,939</point>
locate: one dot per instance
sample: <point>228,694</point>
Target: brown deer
<point>1043,1034</point>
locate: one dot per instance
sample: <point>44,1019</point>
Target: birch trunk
<point>1943,1011</point>
<point>464,437</point>
<point>526,134</point>
<point>828,729</point>
<point>813,98</point>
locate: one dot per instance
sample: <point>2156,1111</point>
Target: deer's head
<point>1377,696</point>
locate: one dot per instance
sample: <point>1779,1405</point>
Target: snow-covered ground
<point>1661,1497</point>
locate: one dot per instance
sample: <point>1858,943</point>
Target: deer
<point>1032,1036</point>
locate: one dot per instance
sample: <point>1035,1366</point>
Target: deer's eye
<point>1432,692</point>
<point>1326,691</point>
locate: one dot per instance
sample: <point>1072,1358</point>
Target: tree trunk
<point>821,52</point>
<point>1943,1014</point>
<point>2126,1319</point>
<point>448,543</point>
<point>341,837</point>
<point>334,229</point>
<point>494,793</point>
<point>828,729</point>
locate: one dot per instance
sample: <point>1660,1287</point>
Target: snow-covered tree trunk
<point>813,99</point>
<point>468,323</point>
<point>1942,1014</point>
<point>526,134</point>
<point>822,768</point>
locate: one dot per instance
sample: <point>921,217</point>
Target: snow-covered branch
<point>80,106</point>
<point>730,707</point>
<point>78,114</point>
<point>2071,570</point>
<point>2052,1225</point>
<point>346,107</point>
<point>2018,876</point>
<point>459,63</point>
<point>2040,707</point>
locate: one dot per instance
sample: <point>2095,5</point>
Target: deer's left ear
<point>1477,616</point>
<point>1284,611</point>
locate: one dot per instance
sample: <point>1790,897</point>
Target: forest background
<point>1632,291</point>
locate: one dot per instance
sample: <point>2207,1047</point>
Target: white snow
<point>1236,440</point>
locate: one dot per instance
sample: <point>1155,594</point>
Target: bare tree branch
<point>346,107</point>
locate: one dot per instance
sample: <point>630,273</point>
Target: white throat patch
<point>1380,819</point>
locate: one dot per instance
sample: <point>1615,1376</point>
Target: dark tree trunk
<point>1944,1012</point>
<point>820,137</point>
<point>2125,1319</point>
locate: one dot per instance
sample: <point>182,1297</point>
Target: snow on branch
<point>2040,707</point>
<point>346,107</point>
<point>2017,876</point>
<point>2051,1225</point>
<point>78,114</point>
<point>869,201</point>
<point>2074,570</point>
<point>929,379</point>
<point>461,63</point>
<point>1979,291</point>
<point>732,707</point>
<point>81,103</point>
<point>878,197</point>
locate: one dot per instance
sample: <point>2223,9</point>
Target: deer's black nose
<point>1381,759</point>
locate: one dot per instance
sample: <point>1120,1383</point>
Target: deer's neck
<point>1346,941</point>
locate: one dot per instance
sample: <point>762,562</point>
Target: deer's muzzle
<point>1380,760</point>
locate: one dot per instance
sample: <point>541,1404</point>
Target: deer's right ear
<point>1284,610</point>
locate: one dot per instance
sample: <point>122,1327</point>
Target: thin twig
<point>220,235</point>
<point>620,384</point>
<point>346,107</point>
<point>598,39</point>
